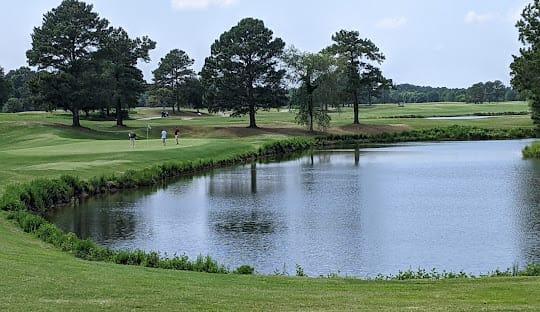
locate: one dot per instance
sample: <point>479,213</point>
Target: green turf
<point>35,276</point>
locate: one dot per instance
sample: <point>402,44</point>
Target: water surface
<point>471,206</point>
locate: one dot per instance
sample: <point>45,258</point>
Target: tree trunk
<point>119,117</point>
<point>252,121</point>
<point>76,118</point>
<point>356,119</point>
<point>108,111</point>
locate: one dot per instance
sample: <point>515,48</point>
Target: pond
<point>462,118</point>
<point>471,206</point>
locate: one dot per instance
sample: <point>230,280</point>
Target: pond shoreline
<point>27,203</point>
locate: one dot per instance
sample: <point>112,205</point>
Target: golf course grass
<point>37,276</point>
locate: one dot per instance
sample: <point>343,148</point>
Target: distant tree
<point>193,93</point>
<point>161,97</point>
<point>372,82</point>
<point>19,80</point>
<point>5,89</point>
<point>477,93</point>
<point>511,95</point>
<point>242,74</point>
<point>355,53</point>
<point>309,69</point>
<point>526,66</point>
<point>64,46</point>
<point>119,55</point>
<point>174,70</point>
<point>13,105</point>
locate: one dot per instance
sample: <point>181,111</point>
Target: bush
<point>532,151</point>
<point>245,270</point>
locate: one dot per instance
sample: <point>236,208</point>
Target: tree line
<point>85,65</point>
<point>490,91</point>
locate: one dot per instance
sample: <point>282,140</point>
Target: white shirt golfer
<point>164,137</point>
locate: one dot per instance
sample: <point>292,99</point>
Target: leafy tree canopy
<point>242,74</point>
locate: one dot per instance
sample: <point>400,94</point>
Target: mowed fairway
<point>36,276</point>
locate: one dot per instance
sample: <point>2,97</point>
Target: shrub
<point>532,151</point>
<point>245,270</point>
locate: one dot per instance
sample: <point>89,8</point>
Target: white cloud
<point>200,4</point>
<point>392,22</point>
<point>473,17</point>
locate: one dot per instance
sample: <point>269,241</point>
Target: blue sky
<point>427,42</point>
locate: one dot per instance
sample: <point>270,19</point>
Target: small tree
<point>64,46</point>
<point>526,66</point>
<point>173,72</point>
<point>309,70</point>
<point>242,74</point>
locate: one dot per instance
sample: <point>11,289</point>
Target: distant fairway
<point>36,276</point>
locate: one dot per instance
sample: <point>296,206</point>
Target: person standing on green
<point>177,135</point>
<point>164,137</point>
<point>132,138</point>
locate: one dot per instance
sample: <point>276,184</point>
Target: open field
<point>35,276</point>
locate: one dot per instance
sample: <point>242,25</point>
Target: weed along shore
<point>28,203</point>
<point>532,151</point>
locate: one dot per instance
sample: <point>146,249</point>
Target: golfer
<point>132,138</point>
<point>177,135</point>
<point>164,137</point>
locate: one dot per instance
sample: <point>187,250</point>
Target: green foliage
<point>532,151</point>
<point>13,105</point>
<point>245,270</point>
<point>356,54</point>
<point>66,44</point>
<point>490,91</point>
<point>20,80</point>
<point>174,74</point>
<point>241,74</point>
<point>311,70</point>
<point>526,66</point>
<point>5,88</point>
<point>452,133</point>
<point>119,55</point>
<point>300,271</point>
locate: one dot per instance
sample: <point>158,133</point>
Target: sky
<point>426,42</point>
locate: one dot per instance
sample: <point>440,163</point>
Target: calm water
<point>471,206</point>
